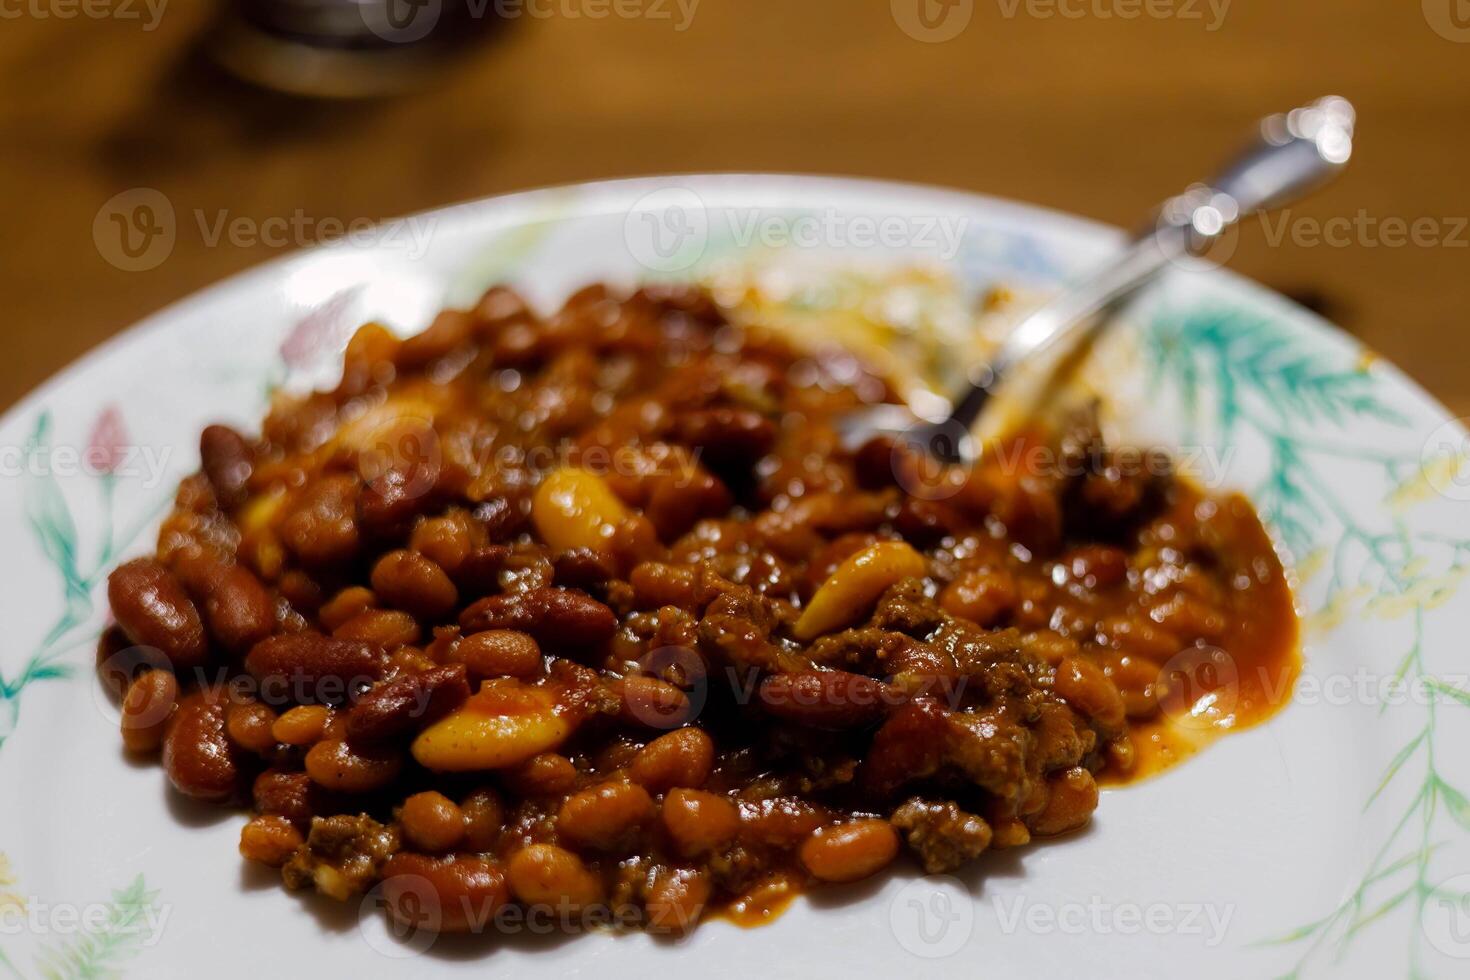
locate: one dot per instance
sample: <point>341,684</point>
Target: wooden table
<point>1090,114</point>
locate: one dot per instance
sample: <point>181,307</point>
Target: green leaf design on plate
<point>1242,375</point>
<point>100,953</point>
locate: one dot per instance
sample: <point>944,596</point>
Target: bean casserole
<point>592,611</point>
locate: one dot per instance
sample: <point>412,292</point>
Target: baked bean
<point>345,605</point>
<point>1084,686</point>
<point>550,876</point>
<point>547,774</point>
<point>249,726</point>
<point>484,817</point>
<point>146,710</point>
<point>651,703</point>
<point>562,618</point>
<point>656,584</point>
<point>1073,797</point>
<point>386,628</point>
<point>321,527</point>
<point>152,608</point>
<point>850,851</point>
<point>782,821</point>
<point>269,840</point>
<point>432,823</point>
<point>308,666</point>
<point>698,822</point>
<point>1097,566</point>
<point>301,725</point>
<point>604,817</point>
<point>676,899</point>
<point>446,540</point>
<point>406,704</point>
<point>227,462</point>
<point>391,500</point>
<point>200,761</point>
<point>409,581</point>
<point>499,653</point>
<point>681,758</point>
<point>335,765</point>
<point>984,595</point>
<point>455,893</point>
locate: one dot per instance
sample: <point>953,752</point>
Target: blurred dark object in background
<point>343,49</point>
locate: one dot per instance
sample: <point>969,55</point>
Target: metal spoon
<point>1295,153</point>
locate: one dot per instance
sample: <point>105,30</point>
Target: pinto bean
<point>336,765</point>
<point>648,702</point>
<point>386,628</point>
<point>850,851</point>
<point>544,874</point>
<point>409,581</point>
<point>698,822</point>
<point>146,710</point>
<point>604,817</point>
<point>406,704</point>
<point>321,527</point>
<point>680,758</point>
<point>269,840</point>
<point>287,794</point>
<point>153,609</point>
<point>564,618</point>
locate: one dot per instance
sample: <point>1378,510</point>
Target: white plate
<point>1333,839</point>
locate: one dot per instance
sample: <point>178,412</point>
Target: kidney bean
<point>583,568</point>
<point>406,704</point>
<point>310,667</point>
<point>146,709</point>
<point>451,894</point>
<point>728,438</point>
<point>407,580</point>
<point>604,817</point>
<point>388,504</point>
<point>237,608</point>
<point>680,758</point>
<point>227,462</point>
<point>286,794</point>
<point>269,840</point>
<point>850,851</point>
<point>698,822</point>
<point>479,574</point>
<point>563,618</point>
<point>335,765</point>
<point>153,609</point>
<point>831,699</point>
<point>197,755</point>
<point>321,527</point>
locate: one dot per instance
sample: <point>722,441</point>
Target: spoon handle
<point>1295,153</point>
